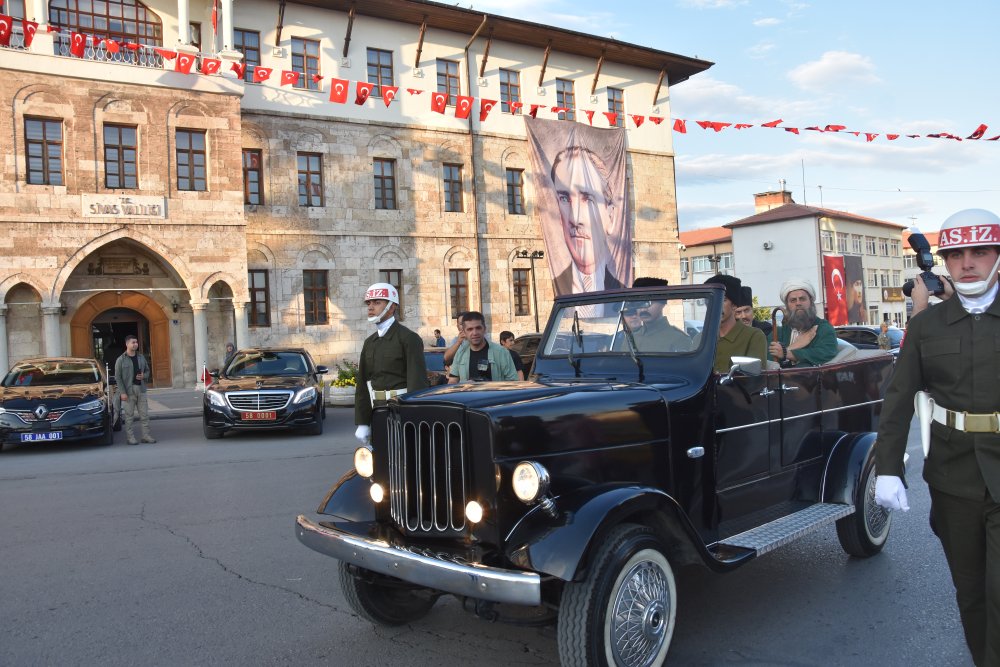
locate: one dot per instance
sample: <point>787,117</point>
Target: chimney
<point>765,201</point>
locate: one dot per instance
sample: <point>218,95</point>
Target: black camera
<point>925,260</point>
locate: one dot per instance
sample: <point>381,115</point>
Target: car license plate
<point>44,435</point>
<point>260,416</point>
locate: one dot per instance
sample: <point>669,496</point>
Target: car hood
<point>15,398</point>
<point>254,382</point>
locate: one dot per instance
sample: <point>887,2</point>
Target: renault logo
<point>259,384</point>
<point>41,411</point>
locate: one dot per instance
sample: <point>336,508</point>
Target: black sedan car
<point>58,398</point>
<point>265,388</point>
<point>865,337</point>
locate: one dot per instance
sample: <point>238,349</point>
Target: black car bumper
<point>225,418</point>
<point>72,426</point>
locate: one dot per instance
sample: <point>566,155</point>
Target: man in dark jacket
<point>132,375</point>
<point>392,359</point>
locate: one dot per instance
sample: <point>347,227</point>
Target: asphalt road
<point>184,553</point>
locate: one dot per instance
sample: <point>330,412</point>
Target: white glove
<point>890,493</point>
<point>363,433</point>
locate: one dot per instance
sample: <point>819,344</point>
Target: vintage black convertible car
<point>55,398</point>
<point>573,498</point>
<point>265,388</point>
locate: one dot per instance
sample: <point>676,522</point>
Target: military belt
<point>380,395</point>
<point>968,422</point>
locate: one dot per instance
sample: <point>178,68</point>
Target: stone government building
<point>193,210</point>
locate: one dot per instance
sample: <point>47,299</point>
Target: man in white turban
<point>804,339</point>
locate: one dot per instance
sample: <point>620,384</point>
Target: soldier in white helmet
<point>950,361</point>
<point>392,358</point>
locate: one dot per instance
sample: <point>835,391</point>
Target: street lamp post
<point>532,256</point>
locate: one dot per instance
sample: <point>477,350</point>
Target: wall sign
<point>116,206</point>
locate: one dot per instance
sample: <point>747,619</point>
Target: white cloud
<point>833,71</point>
<point>766,22</point>
<point>705,98</point>
<point>760,49</point>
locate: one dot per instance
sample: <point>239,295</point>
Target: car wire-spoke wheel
<point>865,532</point>
<point>876,517</point>
<point>641,616</point>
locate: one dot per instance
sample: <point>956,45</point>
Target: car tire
<point>317,428</point>
<point>864,533</point>
<point>211,433</point>
<point>382,600</point>
<point>109,434</point>
<point>625,611</point>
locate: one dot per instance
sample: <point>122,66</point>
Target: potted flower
<point>342,387</point>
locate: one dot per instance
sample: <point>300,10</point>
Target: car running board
<point>781,531</point>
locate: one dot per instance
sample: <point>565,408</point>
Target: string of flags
<point>439,102</point>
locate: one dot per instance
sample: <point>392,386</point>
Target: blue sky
<point>885,67</point>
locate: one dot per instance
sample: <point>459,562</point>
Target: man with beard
<point>735,338</point>
<point>656,333</point>
<point>744,312</point>
<point>804,338</point>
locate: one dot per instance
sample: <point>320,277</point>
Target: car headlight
<point>530,482</point>
<point>364,462</point>
<point>215,398</point>
<point>92,406</point>
<point>307,394</point>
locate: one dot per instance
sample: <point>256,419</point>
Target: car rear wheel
<point>624,612</point>
<point>211,433</point>
<point>383,600</point>
<point>864,533</point>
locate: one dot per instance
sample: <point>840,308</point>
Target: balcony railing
<point>140,57</point>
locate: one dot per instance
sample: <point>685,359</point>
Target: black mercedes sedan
<point>265,388</point>
<point>55,398</point>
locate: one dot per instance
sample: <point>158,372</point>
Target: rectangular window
<point>260,306</point>
<point>305,61</point>
<point>870,245</point>
<point>897,278</point>
<point>883,247</point>
<point>515,191</point>
<point>510,90</point>
<point>616,103</point>
<point>252,177</point>
<point>453,188</point>
<point>842,243</point>
<point>725,262</point>
<point>43,146</point>
<point>566,98</point>
<point>894,247</point>
<point>247,42</point>
<point>379,70</point>
<point>872,278</point>
<point>314,294</point>
<point>191,174</point>
<point>909,261</point>
<point>522,292</point>
<point>685,267</point>
<point>701,264</point>
<point>385,183</point>
<point>873,315</point>
<point>458,281</point>
<point>447,79</point>
<point>826,240</point>
<point>855,244</point>
<point>310,179</point>
<point>395,278</point>
<point>884,276</point>
<point>120,150</point>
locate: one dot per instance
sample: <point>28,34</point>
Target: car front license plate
<point>260,416</point>
<point>42,435</point>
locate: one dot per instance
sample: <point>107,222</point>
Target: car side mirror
<point>214,373</point>
<point>322,370</point>
<point>745,365</point>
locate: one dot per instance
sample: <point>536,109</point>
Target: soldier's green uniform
<point>822,349</point>
<point>955,356</point>
<point>392,361</point>
<point>660,336</point>
<point>741,341</point>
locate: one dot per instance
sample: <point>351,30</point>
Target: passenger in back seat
<point>804,339</point>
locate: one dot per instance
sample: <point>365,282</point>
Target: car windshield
<point>434,361</point>
<point>603,327</point>
<point>52,373</point>
<point>267,363</point>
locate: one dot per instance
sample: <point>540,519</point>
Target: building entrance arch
<point>149,318</point>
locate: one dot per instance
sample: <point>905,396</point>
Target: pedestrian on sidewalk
<point>132,374</point>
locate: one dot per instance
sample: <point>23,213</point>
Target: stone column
<point>242,328</point>
<point>50,328</point>
<point>38,11</point>
<point>200,341</point>
<point>227,25</point>
<point>183,23</point>
<point>4,361</point>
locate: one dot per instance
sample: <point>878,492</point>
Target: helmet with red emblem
<point>971,228</point>
<point>382,292</point>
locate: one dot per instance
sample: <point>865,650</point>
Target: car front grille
<point>427,488</point>
<point>28,416</point>
<point>267,399</point>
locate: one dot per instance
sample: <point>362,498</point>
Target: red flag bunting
<point>289,78</point>
<point>363,91</point>
<point>210,65</point>
<point>870,137</point>
<point>112,46</point>
<point>714,125</point>
<point>438,102</point>
<point>994,138</point>
<point>559,109</point>
<point>834,128</point>
<point>261,74</point>
<point>655,120</point>
<point>239,68</point>
<point>913,136</point>
<point>815,129</point>
<point>77,44</point>
<point>533,111</point>
<point>612,117</point>
<point>29,28</point>
<point>637,119</point>
<point>338,90</point>
<point>978,134</point>
<point>793,130</point>
<point>590,115</point>
<point>389,94</point>
<point>742,126</point>
<point>857,134</point>
<point>184,62</point>
<point>680,125</point>
<point>215,17</point>
<point>317,78</point>
<point>6,28</point>
<point>414,91</point>
<point>132,46</point>
<point>166,53</point>
<point>515,107</point>
<point>463,106</point>
<point>773,123</point>
<point>51,28</point>
<point>485,106</point>
<point>892,137</point>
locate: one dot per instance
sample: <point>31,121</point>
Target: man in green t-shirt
<point>735,338</point>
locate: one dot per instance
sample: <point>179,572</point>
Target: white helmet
<point>971,228</point>
<point>382,291</point>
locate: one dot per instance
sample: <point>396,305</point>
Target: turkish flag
<point>559,109</point>
<point>680,125</point>
<point>239,68</point>
<point>713,124</point>
<point>533,111</point>
<point>184,62</point>
<point>590,115</point>
<point>869,137</point>
<point>612,117</point>
<point>261,74</point>
<point>389,94</point>
<point>515,107</point>
<point>289,78</point>
<point>438,102</point>
<point>655,120</point>
<point>637,119</point>
<point>51,28</point>
<point>317,78</point>
<point>738,126</point>
<point>132,46</point>
<point>485,106</point>
<point>793,130</point>
<point>978,134</point>
<point>29,28</point>
<point>463,105</point>
<point>77,44</point>
<point>338,90</point>
<point>6,27</point>
<point>414,91</point>
<point>112,46</point>
<point>892,137</point>
<point>210,65</point>
<point>773,123</point>
<point>364,91</point>
<point>166,53</point>
<point>834,128</point>
<point>836,289</point>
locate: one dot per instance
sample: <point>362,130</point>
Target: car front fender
<point>846,466</point>
<point>349,499</point>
